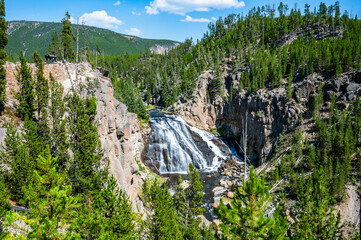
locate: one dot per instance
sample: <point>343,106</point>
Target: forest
<point>50,162</point>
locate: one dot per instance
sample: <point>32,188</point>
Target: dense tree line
<point>266,49</point>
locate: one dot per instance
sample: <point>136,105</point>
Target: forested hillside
<point>29,36</point>
<point>292,76</point>
<point>265,48</point>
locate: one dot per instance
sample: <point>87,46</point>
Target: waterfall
<point>173,145</point>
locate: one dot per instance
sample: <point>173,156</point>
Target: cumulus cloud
<point>100,19</point>
<point>190,19</point>
<point>184,6</point>
<point>133,31</point>
<point>117,3</point>
<point>214,19</point>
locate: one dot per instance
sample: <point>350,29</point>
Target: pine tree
<point>5,209</point>
<point>3,43</point>
<point>313,218</point>
<point>84,170</point>
<point>42,99</point>
<point>218,82</point>
<point>246,220</point>
<point>180,205</point>
<point>66,38</point>
<point>54,45</point>
<point>162,220</point>
<point>59,139</point>
<point>32,140</point>
<point>195,208</point>
<point>50,200</point>
<point>106,215</point>
<point>25,95</point>
<point>16,156</point>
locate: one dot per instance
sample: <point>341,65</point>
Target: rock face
<point>118,129</point>
<point>265,112</point>
<point>162,49</point>
<point>268,112</point>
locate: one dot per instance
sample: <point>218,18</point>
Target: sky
<point>158,19</point>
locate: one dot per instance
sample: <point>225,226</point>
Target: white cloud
<point>136,13</point>
<point>213,18</point>
<point>100,19</point>
<point>117,3</point>
<point>184,6</point>
<point>190,19</point>
<point>72,20</point>
<point>133,31</point>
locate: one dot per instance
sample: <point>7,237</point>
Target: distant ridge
<point>28,36</point>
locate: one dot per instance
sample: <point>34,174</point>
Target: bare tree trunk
<point>96,59</point>
<point>103,60</point>
<point>244,143</point>
<point>77,50</point>
<point>77,40</point>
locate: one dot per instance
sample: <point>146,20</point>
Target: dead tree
<point>244,143</point>
<point>77,50</point>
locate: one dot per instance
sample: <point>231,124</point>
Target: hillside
<point>29,36</point>
<point>291,82</point>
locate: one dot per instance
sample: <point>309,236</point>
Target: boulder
<point>352,87</point>
<point>216,223</point>
<point>230,195</point>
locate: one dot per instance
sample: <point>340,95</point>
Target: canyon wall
<point>119,130</point>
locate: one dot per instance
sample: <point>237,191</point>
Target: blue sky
<point>159,19</point>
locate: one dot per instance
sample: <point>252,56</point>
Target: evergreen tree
<point>84,171</point>
<point>54,45</point>
<point>50,200</point>
<point>106,215</point>
<point>59,138</point>
<point>3,43</point>
<point>246,220</point>
<point>218,81</point>
<point>195,198</point>
<point>313,218</point>
<point>67,38</point>
<point>5,209</point>
<point>42,99</point>
<point>180,205</point>
<point>32,140</point>
<point>161,222</point>
<point>16,156</point>
<point>25,95</point>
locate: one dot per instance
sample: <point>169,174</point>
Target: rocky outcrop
<point>265,111</point>
<point>162,49</point>
<point>268,112</point>
<point>119,130</point>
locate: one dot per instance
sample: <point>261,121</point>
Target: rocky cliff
<point>119,130</point>
<point>268,112</point>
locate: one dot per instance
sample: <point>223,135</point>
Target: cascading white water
<point>173,145</point>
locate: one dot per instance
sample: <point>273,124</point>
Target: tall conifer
<point>26,94</point>
<point>3,43</point>
<point>67,38</point>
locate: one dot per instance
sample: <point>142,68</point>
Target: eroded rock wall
<point>119,130</point>
<point>268,111</point>
<point>265,112</point>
